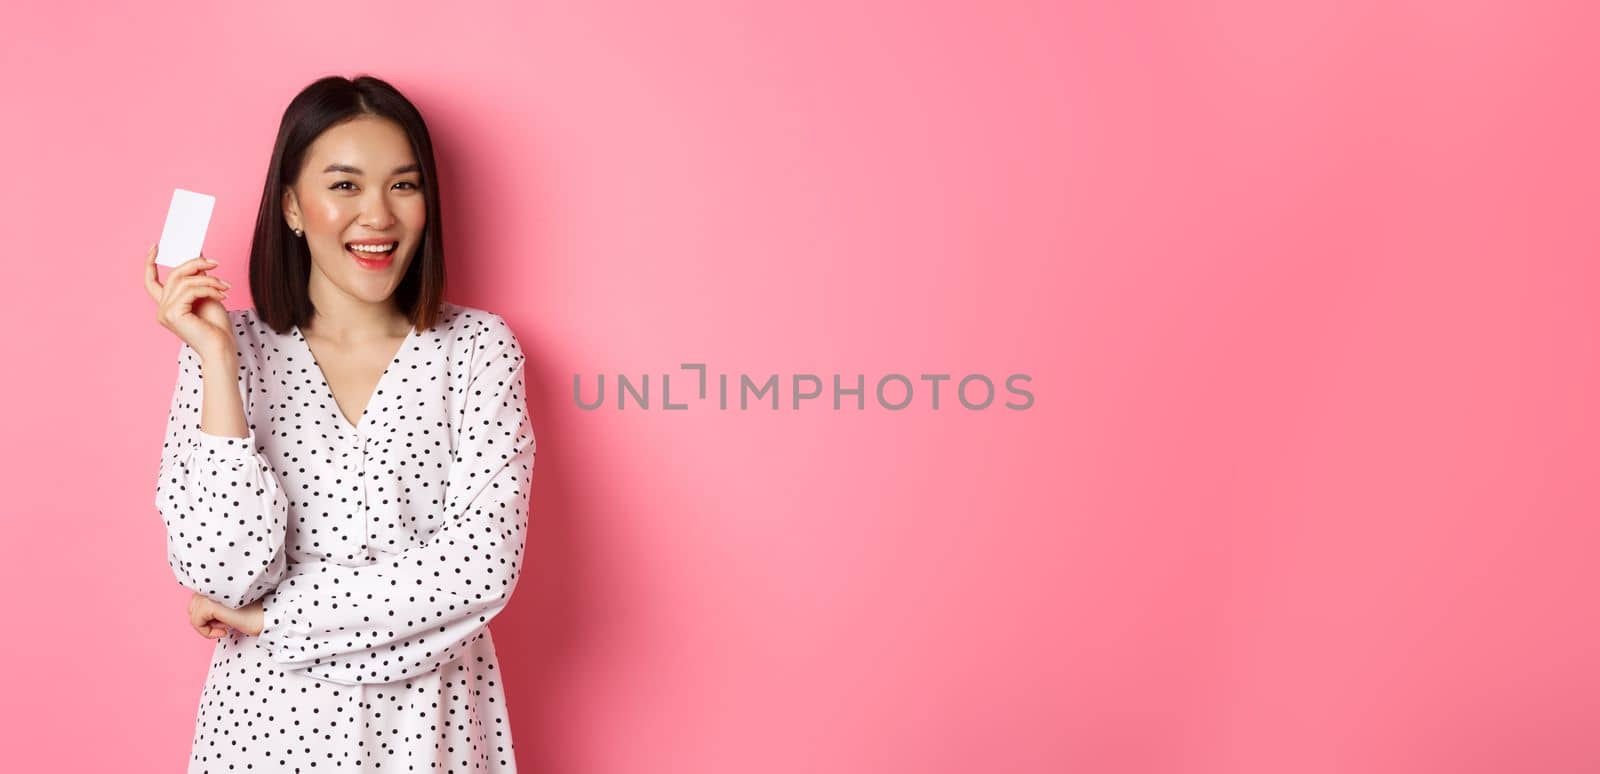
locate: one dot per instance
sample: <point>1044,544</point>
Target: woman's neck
<point>342,319</point>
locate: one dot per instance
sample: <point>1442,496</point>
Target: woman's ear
<point>291,207</point>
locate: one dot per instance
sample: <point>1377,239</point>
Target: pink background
<point>1307,291</point>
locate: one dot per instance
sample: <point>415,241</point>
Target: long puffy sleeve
<point>412,612</point>
<point>225,513</point>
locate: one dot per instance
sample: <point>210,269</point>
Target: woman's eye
<point>336,186</point>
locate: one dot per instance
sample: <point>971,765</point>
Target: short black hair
<point>280,262</point>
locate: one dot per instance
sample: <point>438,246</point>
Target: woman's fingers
<point>196,264</point>
<point>201,279</point>
<point>186,289</point>
<point>184,294</point>
<point>229,618</point>
<point>203,617</point>
<point>194,281</point>
<point>190,267</point>
<point>211,630</point>
<point>199,618</point>
<point>152,285</point>
<point>189,295</point>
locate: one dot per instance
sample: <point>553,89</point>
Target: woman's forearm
<point>222,412</point>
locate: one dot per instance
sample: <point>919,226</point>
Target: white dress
<point>380,551</point>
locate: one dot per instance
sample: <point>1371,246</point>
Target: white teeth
<point>374,248</point>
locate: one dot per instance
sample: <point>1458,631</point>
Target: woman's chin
<point>369,289</point>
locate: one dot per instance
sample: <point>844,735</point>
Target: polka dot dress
<point>380,551</point>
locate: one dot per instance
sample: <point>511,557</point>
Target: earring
<point>298,232</point>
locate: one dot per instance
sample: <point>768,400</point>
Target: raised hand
<point>189,303</point>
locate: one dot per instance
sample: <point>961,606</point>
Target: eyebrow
<point>413,167</point>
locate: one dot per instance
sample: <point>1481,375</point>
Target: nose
<point>376,214</point>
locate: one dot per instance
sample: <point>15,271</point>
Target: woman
<point>347,466</point>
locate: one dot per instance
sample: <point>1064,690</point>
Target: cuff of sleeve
<point>283,631</point>
<point>223,446</point>
<point>268,605</point>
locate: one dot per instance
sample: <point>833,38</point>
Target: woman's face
<point>360,183</point>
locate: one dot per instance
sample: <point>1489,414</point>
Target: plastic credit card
<point>185,231</point>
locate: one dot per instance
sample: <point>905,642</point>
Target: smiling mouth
<point>370,257</point>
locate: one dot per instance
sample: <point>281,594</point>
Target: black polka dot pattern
<point>379,550</point>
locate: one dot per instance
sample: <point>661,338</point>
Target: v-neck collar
<point>377,391</point>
